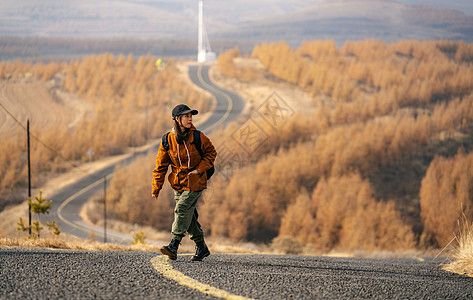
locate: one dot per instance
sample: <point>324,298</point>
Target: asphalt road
<point>144,275</point>
<point>52,274</point>
<point>228,104</point>
<point>68,202</point>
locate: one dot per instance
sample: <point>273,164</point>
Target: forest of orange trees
<point>130,99</point>
<point>382,161</point>
<point>382,164</point>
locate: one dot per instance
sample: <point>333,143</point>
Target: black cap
<point>182,109</point>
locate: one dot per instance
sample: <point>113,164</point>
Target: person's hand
<point>194,172</point>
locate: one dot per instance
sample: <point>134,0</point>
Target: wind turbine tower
<point>204,53</point>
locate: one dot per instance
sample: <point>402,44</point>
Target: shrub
<point>139,238</point>
<point>38,207</point>
<point>287,245</point>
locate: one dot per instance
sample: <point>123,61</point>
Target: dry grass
<point>217,246</point>
<point>462,255</point>
<point>56,243</point>
<point>66,242</point>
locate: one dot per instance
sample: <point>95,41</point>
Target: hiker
<point>191,156</point>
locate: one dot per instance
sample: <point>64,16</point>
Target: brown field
<point>36,102</point>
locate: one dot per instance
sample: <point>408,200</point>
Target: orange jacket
<point>183,159</point>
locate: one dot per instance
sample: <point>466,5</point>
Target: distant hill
<point>159,19</point>
<point>342,20</point>
<point>132,18</point>
<point>465,6</point>
<point>53,29</point>
<point>97,19</point>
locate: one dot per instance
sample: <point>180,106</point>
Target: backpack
<point>198,144</point>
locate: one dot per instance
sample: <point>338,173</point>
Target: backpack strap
<point>165,143</point>
<point>198,143</point>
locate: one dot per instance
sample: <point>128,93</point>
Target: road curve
<point>33,274</point>
<point>228,104</point>
<point>68,202</point>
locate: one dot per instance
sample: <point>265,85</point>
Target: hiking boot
<point>201,251</point>
<point>171,249</point>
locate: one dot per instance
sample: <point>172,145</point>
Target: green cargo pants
<point>185,216</point>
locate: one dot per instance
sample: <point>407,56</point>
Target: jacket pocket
<point>173,179</point>
<point>197,182</point>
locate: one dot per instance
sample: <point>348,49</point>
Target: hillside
<point>465,6</point>
<point>99,19</point>
<point>362,147</point>
<point>384,162</point>
<point>135,22</point>
<point>41,103</point>
<point>342,20</point>
<point>130,18</point>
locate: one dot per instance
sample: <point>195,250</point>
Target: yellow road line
<point>161,264</point>
<point>229,99</point>
<point>71,198</point>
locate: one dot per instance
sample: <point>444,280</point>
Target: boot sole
<point>200,259</point>
<point>171,256</point>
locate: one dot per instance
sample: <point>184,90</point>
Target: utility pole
<point>105,209</point>
<point>29,174</point>
<point>90,153</point>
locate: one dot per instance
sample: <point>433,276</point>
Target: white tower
<point>200,46</point>
<point>202,54</point>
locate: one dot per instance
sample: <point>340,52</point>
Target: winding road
<point>58,274</point>
<point>68,202</point>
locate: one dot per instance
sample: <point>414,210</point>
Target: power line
<point>40,141</point>
<point>33,136</point>
<point>12,116</point>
